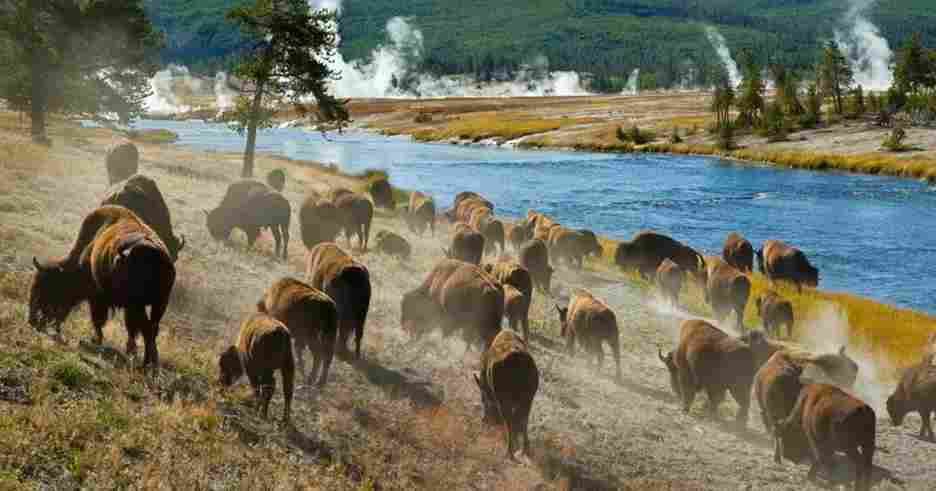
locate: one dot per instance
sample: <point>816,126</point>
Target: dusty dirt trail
<point>408,415</point>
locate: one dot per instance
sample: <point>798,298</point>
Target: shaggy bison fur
<point>117,262</point>
<point>318,221</point>
<point>355,213</point>
<point>775,312</point>
<point>780,262</point>
<point>420,214</point>
<point>392,244</point>
<point>648,249</point>
<point>915,392</point>
<point>252,208</point>
<point>776,387</point>
<point>347,282</point>
<point>517,306</point>
<point>141,195</point>
<point>123,161</point>
<point>534,257</point>
<point>382,193</point>
<point>669,278</point>
<point>727,290</point>
<point>264,345</point>
<point>592,323</point>
<point>738,252</point>
<point>467,245</point>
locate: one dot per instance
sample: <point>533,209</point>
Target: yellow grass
<point>481,126</point>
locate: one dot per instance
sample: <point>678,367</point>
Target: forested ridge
<point>605,38</point>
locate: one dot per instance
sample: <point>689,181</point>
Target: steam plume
<point>869,53</point>
<point>724,54</point>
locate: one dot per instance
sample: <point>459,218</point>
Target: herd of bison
<point>124,255</point>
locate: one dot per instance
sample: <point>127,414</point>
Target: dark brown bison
<point>534,257</point>
<point>648,249</point>
<point>491,228</point>
<point>141,195</point>
<point>776,387</point>
<point>709,359</point>
<point>264,345</point>
<point>123,161</point>
<point>276,179</point>
<point>508,382</point>
<point>467,245</point>
<point>420,214</point>
<point>347,282</point>
<point>382,193</point>
<point>778,261</point>
<point>355,213</point>
<point>259,208</point>
<point>312,319</point>
<point>392,244</point>
<point>738,252</point>
<point>459,296</point>
<point>915,392</point>
<point>572,246</point>
<point>775,312</point>
<point>832,421</point>
<point>517,307</point>
<point>727,290</point>
<point>592,323</point>
<point>318,221</point>
<point>669,279</point>
<point>117,262</point>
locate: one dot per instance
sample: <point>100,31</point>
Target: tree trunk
<point>37,102</point>
<point>255,107</point>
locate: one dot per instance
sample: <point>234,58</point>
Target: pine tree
<point>751,100</point>
<point>835,75</point>
<point>914,69</point>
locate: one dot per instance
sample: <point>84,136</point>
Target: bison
<point>347,282</point>
<point>508,382</point>
<point>117,262</point>
<point>915,392</point>
<point>517,235</point>
<point>392,244</point>
<point>647,249</point>
<point>318,221</point>
<point>465,196</point>
<point>738,252</point>
<point>258,208</point>
<point>592,323</point>
<point>775,312</point>
<point>572,246</point>
<point>830,420</point>
<point>312,319</point>
<point>669,279</point>
<point>141,195</point>
<point>461,296</point>
<point>382,193</point>
<point>491,228</point>
<point>778,261</point>
<point>123,161</point>
<point>335,193</point>
<point>420,214</point>
<point>467,245</point>
<point>355,213</point>
<point>726,290</point>
<point>517,306</point>
<point>776,387</point>
<point>264,345</point>
<point>709,359</point>
<point>534,256</point>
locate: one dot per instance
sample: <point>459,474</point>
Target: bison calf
<point>915,392</point>
<point>467,245</point>
<point>392,244</point>
<point>776,387</point>
<point>259,208</point>
<point>592,323</point>
<point>727,290</point>
<point>312,319</point>
<point>264,346</point>
<point>669,278</point>
<point>508,382</point>
<point>420,214</point>
<point>534,256</point>
<point>516,302</point>
<point>775,312</point>
<point>738,252</point>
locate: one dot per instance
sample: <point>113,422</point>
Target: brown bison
<point>347,282</point>
<point>491,228</point>
<point>572,246</point>
<point>318,221</point>
<point>830,368</point>
<point>517,306</point>
<point>592,323</point>
<point>776,387</point>
<point>830,420</point>
<point>264,345</point>
<point>648,249</point>
<point>355,213</point>
<point>141,195</point>
<point>123,161</point>
<point>709,359</point>
<point>465,196</point>
<point>778,261</point>
<point>727,290</point>
<point>276,179</point>
<point>117,262</point>
<point>738,252</point>
<point>258,208</point>
<point>335,193</point>
<point>775,312</point>
<point>471,207</point>
<point>467,245</point>
<point>460,296</point>
<point>420,214</point>
<point>534,256</point>
<point>312,319</point>
<point>542,226</point>
<point>517,235</point>
<point>915,392</point>
<point>392,244</point>
<point>382,193</point>
<point>669,279</point>
<point>508,382</point>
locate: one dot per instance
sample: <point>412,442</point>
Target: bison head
<point>55,293</point>
<point>229,367</point>
<point>417,312</point>
<point>670,363</point>
<point>217,224</point>
<point>492,415</point>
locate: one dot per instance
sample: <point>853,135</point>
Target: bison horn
<point>36,264</point>
<point>181,240</point>
<point>660,354</point>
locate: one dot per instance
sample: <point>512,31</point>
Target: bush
<point>635,135</point>
<point>422,118</point>
<point>775,125</point>
<point>674,137</point>
<point>894,141</point>
<point>725,139</point>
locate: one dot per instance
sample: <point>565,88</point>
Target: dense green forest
<point>606,38</point>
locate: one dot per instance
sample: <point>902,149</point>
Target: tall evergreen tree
<point>751,99</point>
<point>914,69</point>
<point>835,75</point>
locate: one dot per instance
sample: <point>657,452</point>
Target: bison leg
<point>687,389</point>
<point>136,321</point>
<point>742,395</point>
<point>299,347</point>
<point>285,234</point>
<point>98,319</point>
<point>277,240</point>
<point>616,351</point>
<point>715,397</point>
<point>326,355</point>
<point>570,343</point>
<point>926,430</point>
<point>267,387</point>
<point>287,372</point>
<point>526,328</point>
<point>358,335</point>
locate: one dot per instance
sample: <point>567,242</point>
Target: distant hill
<point>607,38</point>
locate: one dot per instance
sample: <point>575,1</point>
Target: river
<point>868,235</point>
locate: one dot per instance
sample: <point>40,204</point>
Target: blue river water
<point>868,235</point>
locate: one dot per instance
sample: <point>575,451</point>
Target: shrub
<point>725,139</point>
<point>674,136</point>
<point>422,118</point>
<point>635,135</point>
<point>894,141</point>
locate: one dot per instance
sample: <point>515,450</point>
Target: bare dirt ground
<point>408,416</point>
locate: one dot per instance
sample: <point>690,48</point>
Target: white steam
<point>633,83</point>
<point>164,87</point>
<point>869,53</point>
<point>224,96</point>
<point>724,54</point>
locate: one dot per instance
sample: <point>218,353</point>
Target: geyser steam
<point>869,53</point>
<point>724,54</point>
